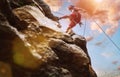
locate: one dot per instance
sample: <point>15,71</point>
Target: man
<point>74,17</point>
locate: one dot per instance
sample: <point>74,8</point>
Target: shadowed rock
<point>68,52</point>
<point>81,42</point>
<point>72,57</point>
<point>41,49</point>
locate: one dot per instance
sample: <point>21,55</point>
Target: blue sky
<point>104,55</point>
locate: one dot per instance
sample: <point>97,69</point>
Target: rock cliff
<point>40,48</point>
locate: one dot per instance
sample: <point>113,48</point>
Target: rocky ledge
<point>40,49</point>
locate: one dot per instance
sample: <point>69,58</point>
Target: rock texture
<point>40,49</point>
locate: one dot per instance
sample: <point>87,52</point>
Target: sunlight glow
<point>98,1</point>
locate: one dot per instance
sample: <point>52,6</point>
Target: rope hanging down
<point>84,31</point>
<point>107,36</point>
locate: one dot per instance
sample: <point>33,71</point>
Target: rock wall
<point>41,49</point>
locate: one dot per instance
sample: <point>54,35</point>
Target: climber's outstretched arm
<point>66,16</point>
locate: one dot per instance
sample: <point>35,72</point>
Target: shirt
<point>75,17</point>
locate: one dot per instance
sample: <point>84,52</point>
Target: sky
<point>105,56</point>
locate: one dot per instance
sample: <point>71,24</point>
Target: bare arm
<point>66,16</point>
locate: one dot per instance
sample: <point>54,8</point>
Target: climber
<point>41,3</point>
<point>74,17</point>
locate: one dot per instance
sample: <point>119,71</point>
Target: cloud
<point>115,62</point>
<point>54,4</point>
<point>99,43</point>
<point>107,54</point>
<point>119,68</point>
<point>89,38</point>
<point>95,27</point>
<point>106,7</point>
<point>110,31</point>
<point>88,5</point>
<point>106,13</point>
<point>101,16</point>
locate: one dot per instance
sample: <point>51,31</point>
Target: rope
<point>84,28</point>
<point>107,36</point>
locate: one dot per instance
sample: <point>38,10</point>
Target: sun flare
<point>98,1</point>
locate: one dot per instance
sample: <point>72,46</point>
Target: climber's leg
<point>69,29</point>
